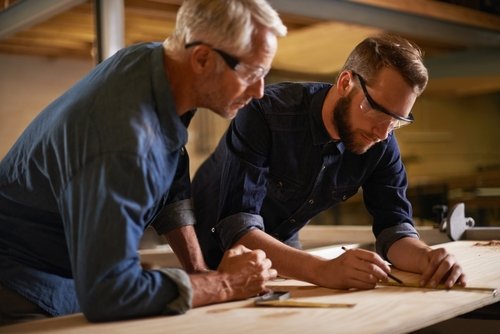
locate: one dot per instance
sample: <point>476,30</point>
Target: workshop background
<point>451,152</point>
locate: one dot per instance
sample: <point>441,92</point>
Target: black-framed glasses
<point>249,74</point>
<point>368,104</point>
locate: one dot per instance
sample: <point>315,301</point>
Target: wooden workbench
<point>381,310</point>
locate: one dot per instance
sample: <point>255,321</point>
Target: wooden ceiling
<point>316,46</point>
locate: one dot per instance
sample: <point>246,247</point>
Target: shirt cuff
<point>175,215</point>
<point>230,229</point>
<point>392,234</point>
<point>184,300</point>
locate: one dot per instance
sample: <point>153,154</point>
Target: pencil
<point>388,274</point>
<point>395,278</point>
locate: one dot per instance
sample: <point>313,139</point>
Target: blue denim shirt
<point>84,180</point>
<point>276,168</point>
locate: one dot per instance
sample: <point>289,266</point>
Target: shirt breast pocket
<point>284,190</point>
<point>340,194</point>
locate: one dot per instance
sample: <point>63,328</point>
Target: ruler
<point>492,291</point>
<point>298,303</point>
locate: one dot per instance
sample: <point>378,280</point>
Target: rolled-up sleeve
<point>232,228</point>
<point>183,302</point>
<point>174,215</point>
<point>392,234</point>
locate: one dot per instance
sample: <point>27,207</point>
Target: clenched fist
<point>246,272</point>
<point>242,273</point>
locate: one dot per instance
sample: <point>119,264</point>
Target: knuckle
<point>372,267</point>
<point>259,254</point>
<point>260,279</point>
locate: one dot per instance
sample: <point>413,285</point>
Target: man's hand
<point>442,267</point>
<point>436,265</point>
<point>246,272</point>
<point>241,274</point>
<point>356,268</point>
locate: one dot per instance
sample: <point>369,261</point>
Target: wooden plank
<point>440,10</point>
<point>59,31</point>
<point>162,256</point>
<point>460,86</point>
<point>312,236</point>
<point>381,310</point>
<point>151,9</point>
<point>321,48</point>
<point>45,51</point>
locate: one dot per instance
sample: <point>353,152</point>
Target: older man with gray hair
<point>107,159</point>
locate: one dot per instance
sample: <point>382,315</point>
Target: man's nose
<point>382,130</point>
<point>256,89</point>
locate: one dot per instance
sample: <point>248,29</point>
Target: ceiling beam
<point>392,20</point>
<point>475,62</point>
<point>24,14</point>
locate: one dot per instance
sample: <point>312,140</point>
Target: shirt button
<point>344,197</point>
<point>212,229</point>
<point>311,201</point>
<point>292,221</point>
<point>280,184</point>
<point>182,151</point>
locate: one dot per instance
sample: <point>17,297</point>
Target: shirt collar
<point>175,129</point>
<point>319,133</point>
<point>318,130</point>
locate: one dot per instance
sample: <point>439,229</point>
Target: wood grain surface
<point>385,309</point>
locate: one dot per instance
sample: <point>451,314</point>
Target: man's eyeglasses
<point>249,74</point>
<point>368,104</point>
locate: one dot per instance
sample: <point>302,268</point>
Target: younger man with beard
<point>307,146</point>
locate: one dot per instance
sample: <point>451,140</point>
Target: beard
<point>352,138</point>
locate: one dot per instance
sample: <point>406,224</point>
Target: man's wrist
<point>210,287</point>
<point>196,267</point>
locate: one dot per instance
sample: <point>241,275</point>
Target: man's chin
<point>227,113</point>
<point>358,149</point>
<point>230,114</point>
<point>232,111</point>
<point>359,145</point>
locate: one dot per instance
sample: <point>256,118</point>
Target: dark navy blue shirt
<point>276,168</point>
<point>84,180</point>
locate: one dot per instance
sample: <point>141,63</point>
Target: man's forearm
<point>288,261</point>
<point>409,254</point>
<point>185,245</point>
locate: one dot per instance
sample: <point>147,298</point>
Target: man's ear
<point>344,83</point>
<point>200,58</point>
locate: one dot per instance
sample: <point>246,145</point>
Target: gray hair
<point>226,24</point>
